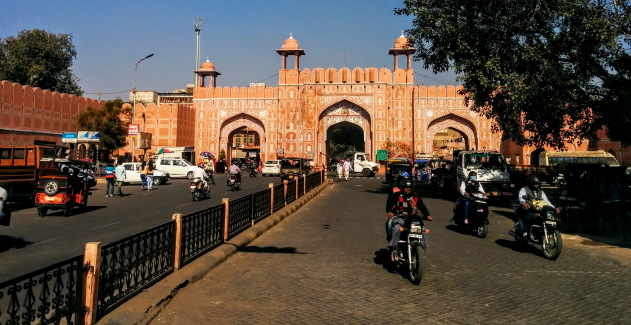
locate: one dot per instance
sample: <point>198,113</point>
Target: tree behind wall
<point>40,59</point>
<point>107,121</point>
<point>547,71</point>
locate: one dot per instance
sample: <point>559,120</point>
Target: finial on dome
<point>402,35</point>
<point>291,35</point>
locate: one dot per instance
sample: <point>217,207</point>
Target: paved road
<point>322,265</point>
<point>31,242</point>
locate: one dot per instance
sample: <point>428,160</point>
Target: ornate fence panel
<point>261,204</point>
<point>313,180</point>
<point>291,192</point>
<point>279,197</point>
<point>201,232</point>
<point>240,217</point>
<point>134,263</point>
<point>51,295</point>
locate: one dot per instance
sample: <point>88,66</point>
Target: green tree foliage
<point>107,121</point>
<point>545,70</point>
<point>39,59</point>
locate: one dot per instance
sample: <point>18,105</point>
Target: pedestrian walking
<point>110,178</point>
<point>347,167</point>
<point>340,170</point>
<point>151,166</point>
<point>120,178</point>
<point>143,175</point>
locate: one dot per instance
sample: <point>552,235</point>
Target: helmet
<point>473,173</point>
<point>533,180</point>
<point>406,183</point>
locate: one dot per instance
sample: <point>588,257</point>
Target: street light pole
<point>133,118</point>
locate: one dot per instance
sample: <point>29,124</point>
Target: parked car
<point>271,168</point>
<point>176,167</point>
<point>132,174</point>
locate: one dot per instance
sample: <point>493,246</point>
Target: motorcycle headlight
<point>551,216</point>
<point>416,228</point>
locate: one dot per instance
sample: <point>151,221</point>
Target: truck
<point>491,169</point>
<point>361,164</point>
<point>19,167</point>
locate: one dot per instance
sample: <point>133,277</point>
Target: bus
<point>598,157</point>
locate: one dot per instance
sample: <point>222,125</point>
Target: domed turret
<point>401,42</point>
<point>290,47</point>
<point>290,43</point>
<point>207,65</point>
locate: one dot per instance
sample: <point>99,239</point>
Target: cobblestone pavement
<point>322,266</point>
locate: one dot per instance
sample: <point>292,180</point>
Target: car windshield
<point>291,163</point>
<point>486,160</point>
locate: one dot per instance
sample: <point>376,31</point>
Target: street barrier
<point>83,289</point>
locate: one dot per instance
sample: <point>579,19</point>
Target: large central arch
<point>344,111</point>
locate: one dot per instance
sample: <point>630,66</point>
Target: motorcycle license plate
<point>494,193</point>
<point>193,186</point>
<point>552,223</point>
<point>290,177</point>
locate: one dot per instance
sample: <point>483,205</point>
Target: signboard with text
<point>132,129</point>
<point>69,137</point>
<point>382,155</point>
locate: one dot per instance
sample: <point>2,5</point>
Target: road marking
<point>46,241</point>
<point>110,224</point>
<point>183,205</point>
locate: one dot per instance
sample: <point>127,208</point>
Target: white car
<point>271,167</point>
<point>176,167</point>
<point>132,174</point>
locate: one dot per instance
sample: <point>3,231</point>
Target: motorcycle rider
<point>235,170</point>
<point>400,178</point>
<point>525,215</point>
<point>407,201</point>
<point>467,189</point>
<point>199,174</point>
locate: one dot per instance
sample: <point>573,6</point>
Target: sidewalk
<point>143,307</point>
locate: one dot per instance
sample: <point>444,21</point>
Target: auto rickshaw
<point>62,184</point>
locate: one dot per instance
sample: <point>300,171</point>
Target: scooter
<point>199,190</point>
<point>478,218</point>
<point>233,182</point>
<point>543,234</point>
<point>410,249</point>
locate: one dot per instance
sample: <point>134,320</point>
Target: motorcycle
<point>478,218</point>
<point>543,233</point>
<point>233,182</point>
<point>410,249</point>
<point>199,190</point>
<point>253,172</point>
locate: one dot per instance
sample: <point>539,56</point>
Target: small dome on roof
<point>401,42</point>
<point>207,65</point>
<point>290,43</point>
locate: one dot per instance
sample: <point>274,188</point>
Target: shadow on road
<point>510,244</point>
<point>270,249</point>
<point>8,242</point>
<point>75,211</point>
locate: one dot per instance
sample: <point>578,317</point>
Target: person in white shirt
<point>347,167</point>
<point>199,173</point>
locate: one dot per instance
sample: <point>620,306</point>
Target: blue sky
<point>239,37</point>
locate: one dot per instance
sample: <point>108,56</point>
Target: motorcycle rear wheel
<point>416,264</point>
<point>482,230</point>
<point>554,244</point>
<point>194,196</point>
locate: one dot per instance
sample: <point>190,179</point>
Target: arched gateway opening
<point>344,138</point>
<point>447,140</point>
<point>245,144</point>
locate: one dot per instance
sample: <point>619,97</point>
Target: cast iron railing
<point>51,295</point>
<point>240,215</point>
<point>261,204</point>
<point>201,232</point>
<point>313,180</point>
<point>279,197</point>
<point>291,192</point>
<point>132,264</point>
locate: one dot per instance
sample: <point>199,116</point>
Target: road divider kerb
<point>144,307</point>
